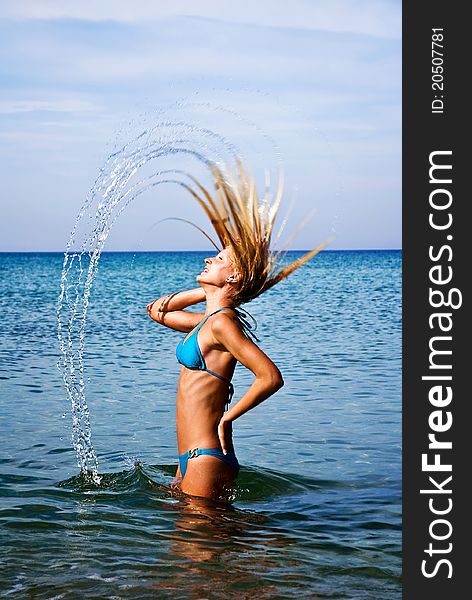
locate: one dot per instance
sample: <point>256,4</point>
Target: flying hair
<point>245,224</point>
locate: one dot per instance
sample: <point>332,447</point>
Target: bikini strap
<point>248,329</point>
<point>213,313</point>
<point>230,385</point>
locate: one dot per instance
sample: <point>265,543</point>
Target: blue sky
<point>314,87</point>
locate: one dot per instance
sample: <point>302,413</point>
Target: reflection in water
<point>286,537</point>
<point>222,551</point>
<point>208,549</point>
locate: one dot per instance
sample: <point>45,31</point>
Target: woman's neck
<point>216,299</point>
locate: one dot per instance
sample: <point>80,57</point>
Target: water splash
<point>120,181</point>
<point>131,169</point>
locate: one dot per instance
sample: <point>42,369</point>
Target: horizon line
<point>162,251</point>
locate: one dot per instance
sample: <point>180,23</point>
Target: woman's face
<point>218,269</point>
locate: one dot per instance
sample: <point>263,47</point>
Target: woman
<point>220,336</point>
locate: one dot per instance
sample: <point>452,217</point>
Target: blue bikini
<point>230,458</point>
<point>189,355</point>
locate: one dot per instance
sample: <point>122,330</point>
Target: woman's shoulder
<point>224,318</point>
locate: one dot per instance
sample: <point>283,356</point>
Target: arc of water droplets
<point>110,196</point>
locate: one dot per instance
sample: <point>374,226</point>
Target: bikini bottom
<point>230,458</point>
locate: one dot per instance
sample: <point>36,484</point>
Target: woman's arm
<point>268,377</point>
<point>167,309</point>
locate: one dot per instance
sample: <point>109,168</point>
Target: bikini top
<point>189,355</point>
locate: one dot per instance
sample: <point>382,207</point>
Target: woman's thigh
<point>207,476</point>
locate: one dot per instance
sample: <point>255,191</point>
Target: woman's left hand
<point>225,434</point>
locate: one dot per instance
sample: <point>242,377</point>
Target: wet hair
<point>244,223</point>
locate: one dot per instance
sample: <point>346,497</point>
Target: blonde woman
<point>242,270</point>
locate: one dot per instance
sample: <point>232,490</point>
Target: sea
<point>316,509</point>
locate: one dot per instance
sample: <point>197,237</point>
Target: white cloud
<point>9,107</point>
<point>380,18</point>
<point>178,49</point>
<point>277,80</point>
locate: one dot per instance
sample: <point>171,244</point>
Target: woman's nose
<point>207,261</point>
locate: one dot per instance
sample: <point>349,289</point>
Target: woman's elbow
<point>275,382</point>
<point>279,383</point>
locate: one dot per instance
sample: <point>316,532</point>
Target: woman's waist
<point>201,394</point>
<point>199,430</point>
<point>186,440</point>
<point>202,422</point>
<point>199,409</point>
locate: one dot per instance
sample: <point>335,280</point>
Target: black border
<point>423,133</point>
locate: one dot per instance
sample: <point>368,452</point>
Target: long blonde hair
<point>245,224</point>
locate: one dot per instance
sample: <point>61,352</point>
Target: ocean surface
<point>317,506</point>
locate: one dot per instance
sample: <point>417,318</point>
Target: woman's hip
<point>228,459</point>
